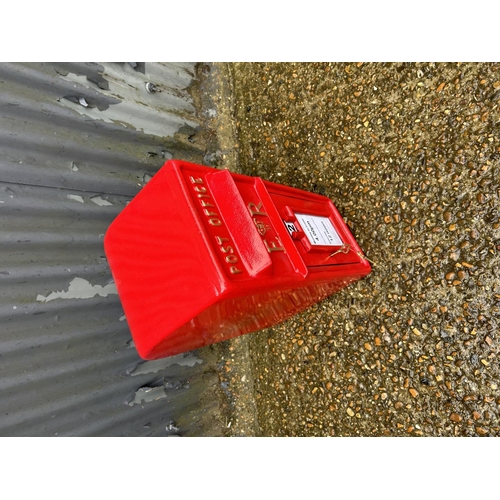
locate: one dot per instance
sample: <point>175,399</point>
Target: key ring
<point>345,248</point>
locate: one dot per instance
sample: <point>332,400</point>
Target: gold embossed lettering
<point>203,196</point>
<point>200,189</point>
<point>228,249</point>
<point>231,259</point>
<point>220,239</point>
<point>234,270</point>
<point>272,246</point>
<point>205,203</point>
<point>206,211</point>
<point>256,209</point>
<point>214,222</point>
<point>196,180</point>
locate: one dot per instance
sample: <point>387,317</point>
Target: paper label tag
<point>319,230</point>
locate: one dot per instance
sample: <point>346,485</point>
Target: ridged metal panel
<point>77,142</point>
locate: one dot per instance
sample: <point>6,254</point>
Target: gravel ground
<point>410,155</point>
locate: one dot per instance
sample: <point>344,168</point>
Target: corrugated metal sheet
<point>77,142</point>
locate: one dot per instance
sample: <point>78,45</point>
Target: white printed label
<point>319,230</point>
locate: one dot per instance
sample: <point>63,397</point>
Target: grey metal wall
<point>77,142</point>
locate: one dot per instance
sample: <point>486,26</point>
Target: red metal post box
<point>202,255</point>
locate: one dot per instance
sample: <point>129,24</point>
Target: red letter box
<point>202,255</point>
